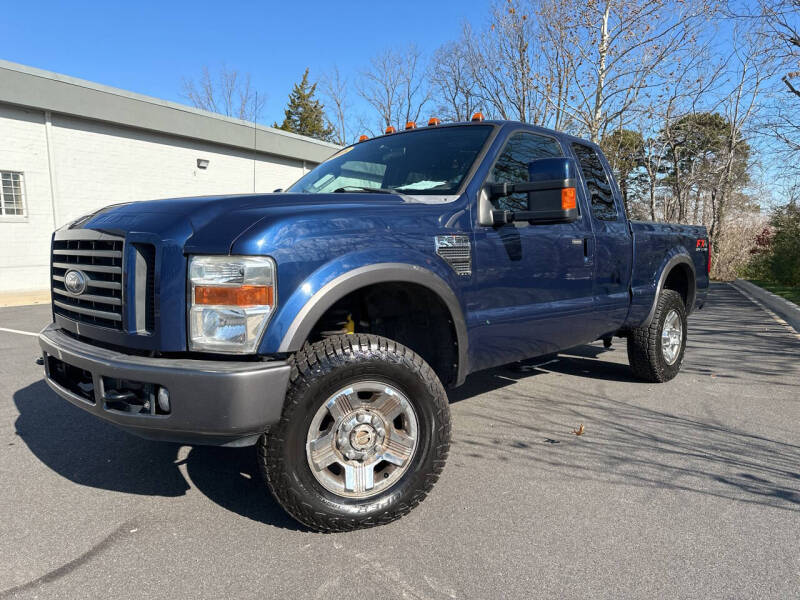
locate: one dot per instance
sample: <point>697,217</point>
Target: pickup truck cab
<point>322,324</point>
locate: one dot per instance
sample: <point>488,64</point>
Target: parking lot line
<point>19,332</point>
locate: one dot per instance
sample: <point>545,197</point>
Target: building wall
<point>93,164</point>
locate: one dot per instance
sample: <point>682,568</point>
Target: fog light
<point>163,399</point>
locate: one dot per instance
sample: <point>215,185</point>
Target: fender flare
<point>676,260</point>
<point>344,284</point>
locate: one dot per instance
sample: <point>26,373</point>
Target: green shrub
<point>776,256</point>
<point>785,247</point>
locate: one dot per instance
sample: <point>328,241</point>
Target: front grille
<point>100,263</point>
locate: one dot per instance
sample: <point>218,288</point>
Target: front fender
<point>297,314</point>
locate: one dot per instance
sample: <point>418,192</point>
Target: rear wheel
<point>363,436</point>
<point>655,352</point>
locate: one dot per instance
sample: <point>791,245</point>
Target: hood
<point>213,223</point>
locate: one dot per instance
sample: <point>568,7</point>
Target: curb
<point>786,310</point>
<point>27,298</point>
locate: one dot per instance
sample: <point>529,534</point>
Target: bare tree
<point>749,72</point>
<point>612,50</point>
<point>453,83</point>
<point>335,91</point>
<point>395,87</point>
<point>778,22</point>
<point>228,92</point>
<point>502,62</point>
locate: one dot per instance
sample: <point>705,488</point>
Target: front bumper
<point>211,402</point>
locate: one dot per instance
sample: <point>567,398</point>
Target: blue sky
<point>147,47</point>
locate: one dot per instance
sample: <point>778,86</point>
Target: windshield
<point>423,161</point>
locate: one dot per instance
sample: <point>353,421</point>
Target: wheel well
<point>681,280</point>
<point>408,313</point>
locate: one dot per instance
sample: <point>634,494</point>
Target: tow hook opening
<point>135,397</point>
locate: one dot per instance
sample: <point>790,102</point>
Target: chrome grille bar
<point>91,297</point>
<point>87,267</point>
<point>111,316</point>
<point>98,299</point>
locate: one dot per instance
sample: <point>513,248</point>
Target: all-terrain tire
<point>319,370</point>
<point>645,353</point>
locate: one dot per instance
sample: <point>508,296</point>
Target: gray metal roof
<point>45,90</point>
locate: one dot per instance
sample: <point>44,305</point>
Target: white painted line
<point>18,331</point>
<point>506,378</point>
<point>549,362</point>
<point>763,307</point>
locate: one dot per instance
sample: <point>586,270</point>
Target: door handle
<point>588,249</point>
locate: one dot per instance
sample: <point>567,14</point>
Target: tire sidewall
<point>669,303</point>
<point>307,400</point>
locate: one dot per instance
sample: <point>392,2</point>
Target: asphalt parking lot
<point>689,489</point>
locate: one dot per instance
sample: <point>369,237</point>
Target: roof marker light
<point>390,129</point>
<point>478,116</point>
<point>363,138</point>
<point>433,122</point>
<point>411,125</point>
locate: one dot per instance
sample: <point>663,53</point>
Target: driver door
<point>533,293</point>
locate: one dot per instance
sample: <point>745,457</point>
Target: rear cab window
<point>598,186</point>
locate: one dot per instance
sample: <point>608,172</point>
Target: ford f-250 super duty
<point>322,324</point>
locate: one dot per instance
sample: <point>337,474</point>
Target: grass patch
<point>791,293</point>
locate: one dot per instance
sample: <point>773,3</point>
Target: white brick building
<point>69,146</point>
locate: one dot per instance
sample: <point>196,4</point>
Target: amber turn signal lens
<point>245,295</point>
<point>568,201</point>
<point>363,138</point>
<point>433,122</point>
<point>478,116</point>
<point>390,129</point>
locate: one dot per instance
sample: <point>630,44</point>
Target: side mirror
<point>551,189</point>
<point>278,191</point>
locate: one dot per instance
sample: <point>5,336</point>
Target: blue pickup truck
<point>323,323</point>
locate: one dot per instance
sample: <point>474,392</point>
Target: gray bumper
<point>212,402</point>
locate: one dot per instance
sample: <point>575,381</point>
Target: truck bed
<point>654,244</point>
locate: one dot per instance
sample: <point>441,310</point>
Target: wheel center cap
<point>362,437</point>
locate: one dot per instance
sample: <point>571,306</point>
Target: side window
<point>12,197</point>
<point>600,194</point>
<point>512,166</point>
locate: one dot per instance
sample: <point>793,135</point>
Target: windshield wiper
<point>360,189</point>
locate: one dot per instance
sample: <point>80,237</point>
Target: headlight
<point>232,299</point>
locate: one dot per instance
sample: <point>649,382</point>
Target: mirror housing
<point>552,193</point>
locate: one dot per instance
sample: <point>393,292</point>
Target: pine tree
<point>304,114</point>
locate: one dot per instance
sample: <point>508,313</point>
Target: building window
<point>12,197</point>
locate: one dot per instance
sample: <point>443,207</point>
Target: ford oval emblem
<point>75,282</point>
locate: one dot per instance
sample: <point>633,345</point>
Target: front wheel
<point>364,434</point>
<point>655,352</point>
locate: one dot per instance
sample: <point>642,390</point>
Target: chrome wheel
<point>671,337</point>
<point>362,439</point>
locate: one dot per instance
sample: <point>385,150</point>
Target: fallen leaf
<point>579,430</point>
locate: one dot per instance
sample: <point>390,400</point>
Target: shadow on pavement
<point>633,445</point>
<point>90,452</point>
<point>628,444</point>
